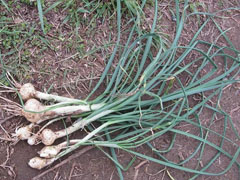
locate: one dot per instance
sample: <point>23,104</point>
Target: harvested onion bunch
<point>143,99</point>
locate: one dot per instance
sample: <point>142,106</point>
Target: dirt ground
<point>72,77</point>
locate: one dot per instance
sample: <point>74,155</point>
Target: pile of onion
<point>35,112</point>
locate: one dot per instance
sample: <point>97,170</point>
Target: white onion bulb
<point>32,140</point>
<point>27,91</point>
<point>35,106</point>
<point>39,163</point>
<point>48,137</point>
<point>50,151</point>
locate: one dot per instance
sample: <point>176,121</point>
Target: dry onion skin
<point>25,132</point>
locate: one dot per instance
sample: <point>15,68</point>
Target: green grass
<point>34,35</point>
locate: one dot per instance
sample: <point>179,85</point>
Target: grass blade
<point>40,13</point>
